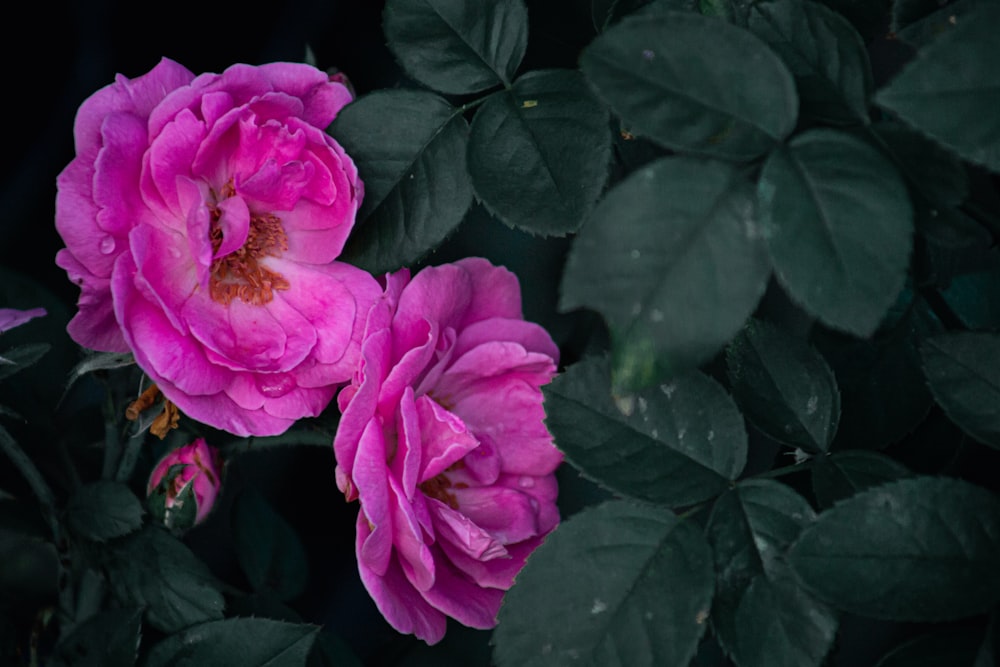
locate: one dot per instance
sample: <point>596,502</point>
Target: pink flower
<point>442,439</point>
<point>10,317</point>
<point>202,217</point>
<point>192,472</point>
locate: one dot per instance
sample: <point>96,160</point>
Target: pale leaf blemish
<point>600,606</point>
<point>668,389</point>
<point>701,617</point>
<point>811,405</point>
<point>529,104</point>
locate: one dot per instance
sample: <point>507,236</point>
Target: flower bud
<point>184,484</point>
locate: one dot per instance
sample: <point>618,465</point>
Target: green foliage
<point>675,445</point>
<point>103,510</point>
<point>673,259</point>
<point>249,642</point>
<point>736,100</point>
<point>539,151</point>
<point>410,150</point>
<point>920,549</point>
<point>784,386</point>
<point>950,83</point>
<point>758,225</point>
<point>268,548</point>
<point>594,593</point>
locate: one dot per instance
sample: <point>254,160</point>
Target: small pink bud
<point>184,484</point>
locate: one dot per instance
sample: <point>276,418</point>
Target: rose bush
<point>442,440</point>
<point>202,216</point>
<point>192,473</point>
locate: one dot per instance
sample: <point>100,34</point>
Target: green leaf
<point>20,357</point>
<point>538,153</point>
<point>975,298</point>
<point>153,569</point>
<point>938,183</point>
<point>919,22</point>
<point>922,549</point>
<point>455,46</point>
<point>607,12</point>
<point>675,445</point>
<point>843,474</point>
<point>615,585</point>
<point>951,89</point>
<point>963,373</point>
<point>247,642</point>
<point>872,417</point>
<point>672,258</point>
<point>736,100</point>
<point>824,53</point>
<point>960,646</point>
<point>108,639</point>
<point>784,386</point>
<point>268,548</point>
<point>838,223</point>
<point>410,150</point>
<point>760,615</point>
<point>102,510</point>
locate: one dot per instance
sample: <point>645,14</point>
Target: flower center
<point>437,487</point>
<point>240,275</point>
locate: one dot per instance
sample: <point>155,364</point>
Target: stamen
<point>240,275</point>
<point>437,487</point>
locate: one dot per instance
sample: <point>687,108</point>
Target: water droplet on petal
<point>107,245</point>
<point>526,481</point>
<point>275,386</point>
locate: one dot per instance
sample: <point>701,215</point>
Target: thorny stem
<point>34,478</point>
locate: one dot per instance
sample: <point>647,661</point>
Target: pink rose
<point>202,217</point>
<point>192,472</point>
<point>442,439</point>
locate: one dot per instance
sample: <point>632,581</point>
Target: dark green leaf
<point>825,55</point>
<point>760,615</point>
<point>102,510</point>
<point>935,172</point>
<point>674,445</point>
<point>20,357</point>
<point>735,100</point>
<point>247,642</point>
<point>919,22</point>
<point>951,89</point>
<point>838,223</point>
<point>938,183</point>
<point>615,585</point>
<point>456,46</point>
<point>153,569</point>
<point>268,549</point>
<point>784,386</point>
<point>961,646</point>
<point>107,639</point>
<point>920,549</point>
<point>672,258</point>
<point>843,474</point>
<point>410,150</point>
<point>882,388</point>
<point>963,373</point>
<point>538,153</point>
<point>975,299</point>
